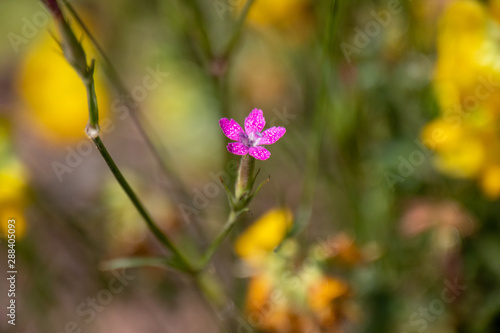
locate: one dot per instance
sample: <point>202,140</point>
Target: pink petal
<point>230,128</point>
<point>259,153</point>
<point>255,121</point>
<point>237,148</point>
<point>271,135</point>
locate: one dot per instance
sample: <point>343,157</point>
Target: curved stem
<point>139,206</point>
<point>144,127</point>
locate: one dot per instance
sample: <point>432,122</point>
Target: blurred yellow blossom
<point>53,92</point>
<point>285,298</point>
<point>13,196</point>
<point>13,185</point>
<point>12,210</point>
<point>495,9</point>
<point>490,181</point>
<point>286,292</point>
<point>322,299</point>
<point>290,16</point>
<point>278,12</point>
<point>265,234</point>
<point>466,81</point>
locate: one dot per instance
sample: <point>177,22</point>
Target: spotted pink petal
<point>230,128</point>
<point>255,121</point>
<point>271,135</point>
<point>237,148</point>
<point>259,153</point>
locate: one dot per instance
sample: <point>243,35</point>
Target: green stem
<point>150,136</point>
<point>244,182</point>
<point>91,97</point>
<point>134,262</point>
<point>139,206</point>
<point>239,28</point>
<point>200,22</point>
<point>228,226</point>
<point>239,203</point>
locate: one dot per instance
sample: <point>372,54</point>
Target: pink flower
<point>249,141</point>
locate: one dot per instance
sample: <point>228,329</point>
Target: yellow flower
<point>466,136</point>
<point>12,210</point>
<point>272,308</point>
<point>441,135</point>
<point>463,160</point>
<point>495,9</point>
<point>277,12</point>
<point>264,235</point>
<point>13,183</point>
<point>461,36</point>
<point>13,197</point>
<point>292,17</point>
<point>283,295</point>
<point>54,94</point>
<point>490,181</point>
<point>322,297</point>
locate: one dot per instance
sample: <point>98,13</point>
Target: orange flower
<point>325,300</point>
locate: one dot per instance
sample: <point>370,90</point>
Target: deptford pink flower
<point>249,141</point>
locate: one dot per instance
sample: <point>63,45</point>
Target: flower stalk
<point>181,262</point>
<point>238,202</point>
<point>76,57</point>
<point>244,182</point>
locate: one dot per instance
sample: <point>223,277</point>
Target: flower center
<point>251,140</point>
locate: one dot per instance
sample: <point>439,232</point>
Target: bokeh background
<point>382,211</point>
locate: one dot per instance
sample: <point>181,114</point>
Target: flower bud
<point>54,9</point>
<point>71,47</point>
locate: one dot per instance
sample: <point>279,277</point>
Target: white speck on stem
<point>92,131</point>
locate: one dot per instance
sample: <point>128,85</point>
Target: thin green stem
<point>244,182</point>
<point>151,138</point>
<point>121,263</point>
<point>91,97</point>
<point>239,28</point>
<point>139,206</point>
<point>228,226</point>
<point>200,22</point>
